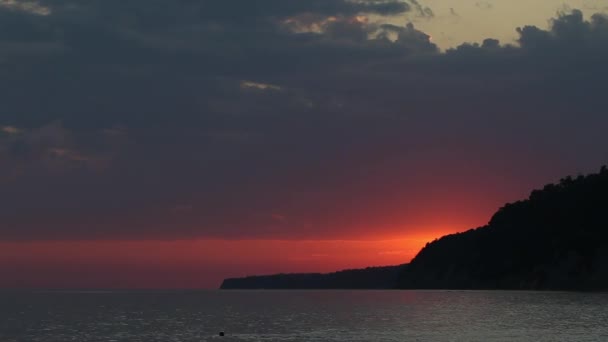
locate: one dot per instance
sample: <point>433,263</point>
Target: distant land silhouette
<point>367,278</point>
<point>557,239</point>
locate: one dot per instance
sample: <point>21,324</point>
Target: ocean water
<point>303,316</point>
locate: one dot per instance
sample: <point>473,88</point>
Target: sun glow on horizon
<point>191,263</point>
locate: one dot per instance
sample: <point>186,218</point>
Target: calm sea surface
<point>303,316</point>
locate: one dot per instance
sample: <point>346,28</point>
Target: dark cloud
<point>422,11</point>
<point>282,119</point>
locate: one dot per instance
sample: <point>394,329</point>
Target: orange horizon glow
<point>188,263</point>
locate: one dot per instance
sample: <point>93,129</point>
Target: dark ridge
<point>557,239</point>
<point>367,278</point>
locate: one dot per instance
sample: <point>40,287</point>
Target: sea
<point>195,316</point>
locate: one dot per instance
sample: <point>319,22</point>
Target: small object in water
<point>221,333</point>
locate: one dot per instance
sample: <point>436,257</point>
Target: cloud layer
<point>280,119</point>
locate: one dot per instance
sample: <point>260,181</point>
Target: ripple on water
<point>328,316</point>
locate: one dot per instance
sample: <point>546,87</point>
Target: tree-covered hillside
<point>555,239</point>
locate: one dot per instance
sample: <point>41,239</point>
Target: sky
<point>166,144</point>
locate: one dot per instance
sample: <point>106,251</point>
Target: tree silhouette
<point>555,239</point>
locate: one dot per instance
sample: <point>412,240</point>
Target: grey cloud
<point>422,11</point>
<point>571,28</point>
<point>160,14</point>
<point>137,112</point>
<point>53,148</point>
<point>409,38</point>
